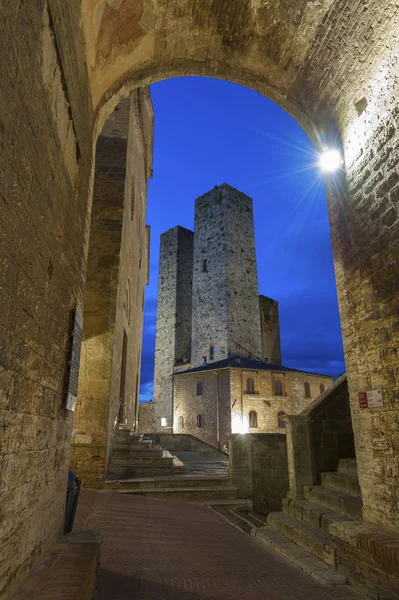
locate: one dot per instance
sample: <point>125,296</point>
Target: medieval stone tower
<point>208,303</point>
<point>226,318</point>
<point>173,340</point>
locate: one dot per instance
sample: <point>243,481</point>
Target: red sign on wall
<point>370,399</point>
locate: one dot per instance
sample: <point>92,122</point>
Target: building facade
<point>240,395</point>
<point>117,273</point>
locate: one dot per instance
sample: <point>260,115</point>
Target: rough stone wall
<point>225,297</point>
<point>45,167</point>
<point>173,335</point>
<point>319,436</point>
<point>270,330</point>
<point>116,277</point>
<point>259,469</point>
<point>188,405</point>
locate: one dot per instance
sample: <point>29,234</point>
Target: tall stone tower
<point>225,310</point>
<point>173,336</point>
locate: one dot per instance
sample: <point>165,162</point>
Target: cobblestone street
<point>169,549</point>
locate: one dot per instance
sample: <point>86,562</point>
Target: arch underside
<point>333,66</point>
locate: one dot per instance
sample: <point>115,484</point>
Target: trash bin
<point>72,497</point>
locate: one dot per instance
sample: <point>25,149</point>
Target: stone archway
<point>331,64</point>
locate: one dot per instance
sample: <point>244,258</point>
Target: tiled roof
<point>248,364</point>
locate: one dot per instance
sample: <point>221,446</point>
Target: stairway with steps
<point>142,467</point>
<point>135,456</point>
<point>304,531</point>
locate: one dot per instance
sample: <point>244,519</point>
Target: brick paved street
<point>156,549</point>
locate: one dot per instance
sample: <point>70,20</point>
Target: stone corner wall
<point>319,437</point>
<point>147,419</point>
<point>259,469</point>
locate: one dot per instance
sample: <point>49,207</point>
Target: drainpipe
<point>242,399</point>
<point>217,410</point>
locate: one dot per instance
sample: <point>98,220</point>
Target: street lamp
<point>330,160</point>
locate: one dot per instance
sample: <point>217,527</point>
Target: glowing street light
<point>330,160</point>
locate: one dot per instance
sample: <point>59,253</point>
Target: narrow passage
<point>155,549</point>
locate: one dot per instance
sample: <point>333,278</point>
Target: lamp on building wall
<point>238,425</point>
<point>330,160</point>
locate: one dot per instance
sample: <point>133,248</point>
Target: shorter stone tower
<point>270,330</point>
<point>173,337</point>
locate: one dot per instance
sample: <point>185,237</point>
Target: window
<point>307,390</point>
<point>205,266</point>
<point>200,421</point>
<point>250,386</point>
<point>180,423</point>
<point>253,418</point>
<point>199,389</point>
<point>212,353</point>
<point>278,387</point>
<point>163,421</point>
<point>280,419</point>
<point>322,388</point>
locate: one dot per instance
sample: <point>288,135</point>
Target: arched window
<point>278,387</point>
<point>253,418</point>
<point>280,419</point>
<point>250,385</point>
<point>180,423</point>
<point>322,388</point>
<point>307,390</point>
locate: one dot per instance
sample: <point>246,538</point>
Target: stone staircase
<point>305,531</point>
<point>140,466</point>
<point>135,456</point>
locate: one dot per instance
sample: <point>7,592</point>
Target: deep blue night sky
<point>208,132</point>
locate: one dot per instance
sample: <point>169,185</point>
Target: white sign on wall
<point>371,399</point>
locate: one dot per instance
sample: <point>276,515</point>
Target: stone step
<point>302,559</point>
<point>315,541</point>
<point>131,472</point>
<point>177,481</point>
<point>138,459</point>
<point>192,494</point>
<point>318,516</point>
<point>127,443</point>
<point>128,433</point>
<point>350,506</point>
<point>347,483</point>
<point>132,452</point>
<point>237,514</point>
<point>137,452</point>
<point>347,465</point>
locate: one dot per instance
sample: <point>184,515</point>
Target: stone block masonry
<point>174,311</point>
<point>270,330</point>
<point>114,297</point>
<point>225,279</point>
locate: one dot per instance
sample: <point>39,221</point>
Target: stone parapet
<point>259,470</point>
